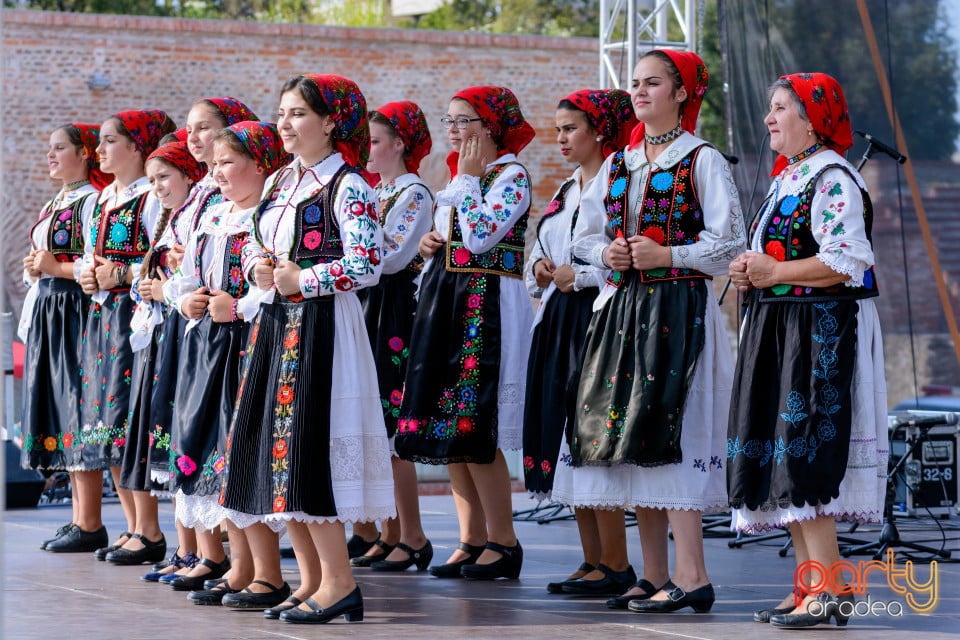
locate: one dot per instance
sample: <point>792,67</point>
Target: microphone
<point>887,149</point>
<point>928,419</point>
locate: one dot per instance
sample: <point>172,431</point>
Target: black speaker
<point>927,479</point>
<point>23,486</point>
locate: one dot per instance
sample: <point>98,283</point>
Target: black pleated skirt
<point>449,408</point>
<point>151,405</point>
<point>388,310</point>
<point>208,380</point>
<point>790,417</point>
<point>553,373</point>
<point>278,449</point>
<point>639,358</point>
<point>51,376</point>
<point>107,378</point>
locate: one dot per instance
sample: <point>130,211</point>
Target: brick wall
<point>170,63</point>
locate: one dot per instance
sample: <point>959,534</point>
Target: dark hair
<point>309,91</point>
<point>233,142</point>
<point>783,83</point>
<point>167,138</point>
<point>122,129</point>
<point>569,106</point>
<point>73,134</point>
<point>675,77</point>
<point>213,109</point>
<point>379,118</point>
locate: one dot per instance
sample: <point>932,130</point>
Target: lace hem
<point>845,265</point>
<point>202,513</point>
<point>710,505</point>
<point>788,517</point>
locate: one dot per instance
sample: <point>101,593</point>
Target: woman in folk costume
<point>312,451</point>
<point>51,325</point>
<point>399,140</point>
<point>808,436</point>
<point>172,173</point>
<point>649,420</point>
<point>120,235</point>
<point>591,124</point>
<point>462,408</point>
<point>206,289</point>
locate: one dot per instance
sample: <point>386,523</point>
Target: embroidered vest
<point>316,237</point>
<point>65,233</point>
<point>505,258</point>
<point>119,234</point>
<point>670,212</point>
<point>231,279</point>
<point>789,236</point>
<point>415,265</point>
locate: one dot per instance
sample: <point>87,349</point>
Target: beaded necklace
<point>806,153</point>
<point>665,138</point>
<point>71,186</point>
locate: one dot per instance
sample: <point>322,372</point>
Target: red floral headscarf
<point>500,111</point>
<point>90,139</point>
<point>263,143</point>
<point>232,110</point>
<point>410,125</point>
<point>693,74</point>
<point>180,134</point>
<point>146,128</point>
<point>177,155</point>
<point>609,112</point>
<point>348,108</point>
<point>822,98</point>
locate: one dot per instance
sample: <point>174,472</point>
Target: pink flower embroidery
<point>395,343</point>
<point>186,465</point>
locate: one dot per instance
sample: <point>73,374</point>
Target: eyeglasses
<point>461,123</point>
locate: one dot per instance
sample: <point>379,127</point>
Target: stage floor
<point>74,597</point>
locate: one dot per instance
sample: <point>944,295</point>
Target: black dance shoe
<point>452,569</point>
<point>557,587</point>
<point>248,599</point>
<point>62,530</point>
<point>507,566</point>
<point>101,553</point>
<point>613,583</point>
<point>357,546</point>
<point>701,600</point>
<point>350,607</point>
<point>273,613</point>
<point>151,552</point>
<point>197,583</point>
<point>213,596</point>
<point>764,615</point>
<point>818,611</point>
<point>76,540</point>
<point>366,561</point>
<point>622,602</point>
<point>420,557</point>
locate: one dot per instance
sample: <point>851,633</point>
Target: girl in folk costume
<point>206,290</point>
<point>120,235</point>
<point>205,118</point>
<point>473,304</point>
<point>591,124</point>
<point>312,451</point>
<point>51,325</point>
<point>809,446</point>
<point>650,416</point>
<point>399,140</point>
<point>172,173</point>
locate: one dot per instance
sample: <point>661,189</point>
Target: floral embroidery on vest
<point>506,257</point>
<point>118,234</point>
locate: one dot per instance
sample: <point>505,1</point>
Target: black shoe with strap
<point>197,583</point>
<point>420,557</point>
<point>212,596</point>
<point>366,561</point>
<point>152,551</point>
<point>622,602</point>
<point>357,546</point>
<point>613,583</point>
<point>101,553</point>
<point>350,607</point>
<point>764,615</point>
<point>700,600</point>
<point>557,587</point>
<point>452,569</point>
<point>273,613</point>
<point>508,565</point>
<point>817,612</point>
<point>250,599</point>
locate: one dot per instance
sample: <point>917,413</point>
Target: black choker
<point>806,153</point>
<point>669,136</point>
